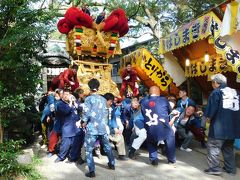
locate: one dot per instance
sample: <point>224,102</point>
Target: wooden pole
<point>188,88</point>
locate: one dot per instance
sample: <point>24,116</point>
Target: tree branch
<point>173,19</point>
<point>138,36</point>
<point>152,21</point>
<point>192,7</point>
<point>133,26</point>
<point>135,13</point>
<point>141,20</point>
<point>98,4</point>
<point>42,4</point>
<point>78,3</point>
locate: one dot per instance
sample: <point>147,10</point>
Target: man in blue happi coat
<point>68,116</point>
<point>224,115</point>
<point>156,109</point>
<point>95,117</point>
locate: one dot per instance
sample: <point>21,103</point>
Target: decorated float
<point>91,45</point>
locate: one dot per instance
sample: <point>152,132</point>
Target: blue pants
<point>71,146</point>
<point>78,144</point>
<point>170,149</point>
<point>90,141</point>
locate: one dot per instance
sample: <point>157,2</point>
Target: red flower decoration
<point>151,103</point>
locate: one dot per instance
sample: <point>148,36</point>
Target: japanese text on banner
<point>155,70</point>
<point>199,67</point>
<point>187,34</point>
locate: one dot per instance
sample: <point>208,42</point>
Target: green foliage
<point>10,101</point>
<point>29,171</point>
<point>30,119</point>
<point>157,17</point>
<point>175,13</point>
<point>23,34</point>
<point>169,14</point>
<point>9,167</point>
<point>8,154</point>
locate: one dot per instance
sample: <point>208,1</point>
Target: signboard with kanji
<point>199,67</point>
<point>153,69</point>
<point>187,34</point>
<point>231,55</point>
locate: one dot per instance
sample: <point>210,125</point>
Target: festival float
<point>149,70</point>
<point>91,45</point>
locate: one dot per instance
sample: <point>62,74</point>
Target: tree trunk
<point>1,133</point>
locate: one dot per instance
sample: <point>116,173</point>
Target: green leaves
<point>23,33</point>
<point>16,102</point>
<point>8,154</point>
<point>9,167</point>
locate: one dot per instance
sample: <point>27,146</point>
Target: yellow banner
<point>232,56</point>
<point>187,34</point>
<point>199,67</point>
<point>153,69</point>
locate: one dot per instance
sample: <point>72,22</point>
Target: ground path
<point>189,166</point>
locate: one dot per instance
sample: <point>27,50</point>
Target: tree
<point>23,33</point>
<point>155,17</point>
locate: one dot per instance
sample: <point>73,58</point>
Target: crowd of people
<point>72,121</point>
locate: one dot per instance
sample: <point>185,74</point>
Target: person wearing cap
<point>95,117</point>
<point>224,115</point>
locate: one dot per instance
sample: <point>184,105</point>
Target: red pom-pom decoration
<point>123,30</point>
<point>63,26</point>
<point>76,16</point>
<point>117,21</point>
<point>72,14</point>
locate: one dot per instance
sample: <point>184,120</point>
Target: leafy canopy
<point>23,33</point>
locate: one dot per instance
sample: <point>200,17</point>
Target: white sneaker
<point>187,149</point>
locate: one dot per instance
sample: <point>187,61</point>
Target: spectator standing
<point>224,115</point>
